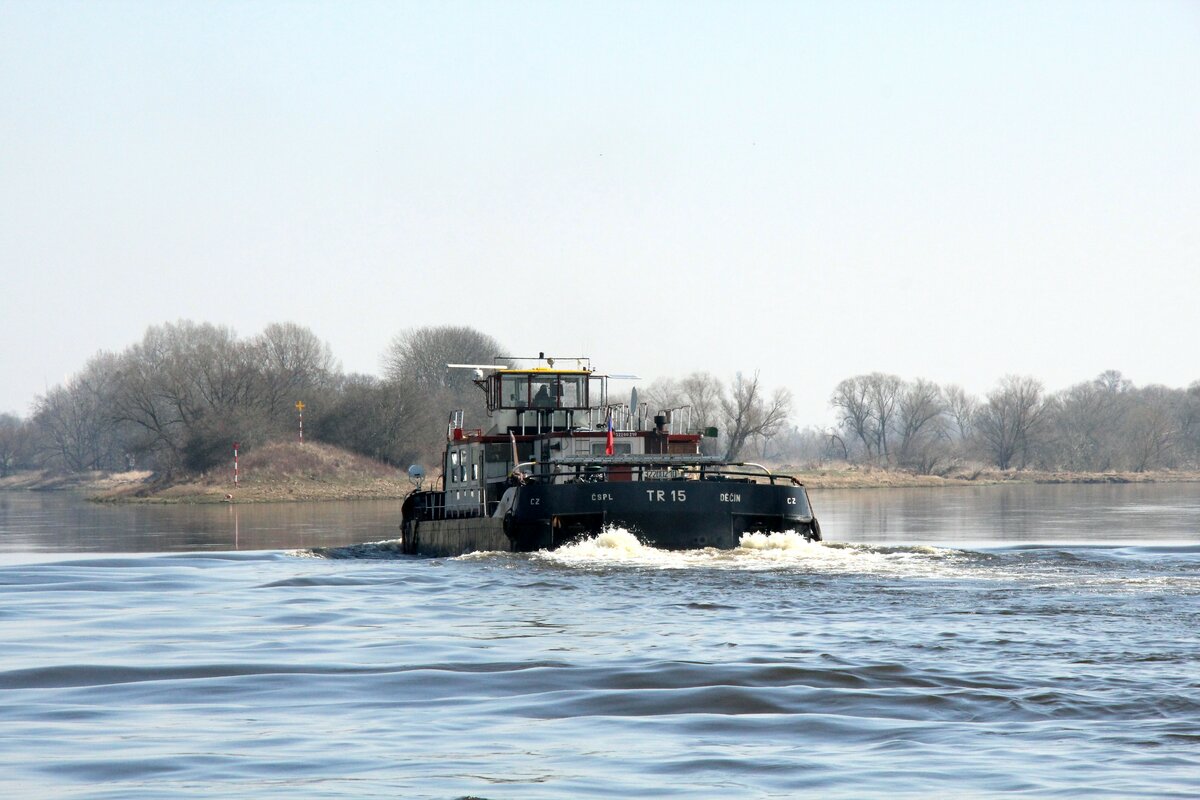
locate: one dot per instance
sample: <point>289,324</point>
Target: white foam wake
<point>786,541</point>
<point>756,551</point>
<point>619,545</point>
<point>611,544</point>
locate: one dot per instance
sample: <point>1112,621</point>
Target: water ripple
<point>606,669</point>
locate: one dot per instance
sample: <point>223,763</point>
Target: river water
<point>983,642</point>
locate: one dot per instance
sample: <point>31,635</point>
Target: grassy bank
<point>289,471</point>
<point>277,472</point>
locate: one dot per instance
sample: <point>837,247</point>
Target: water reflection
<point>1043,513</point>
<point>65,522</point>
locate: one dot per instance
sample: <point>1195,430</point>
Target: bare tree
<point>291,360</point>
<point>74,421</point>
<point>1113,382</point>
<point>420,356</point>
<point>919,424</point>
<point>747,413</point>
<point>1189,422</point>
<point>219,367</point>
<point>661,394</point>
<point>807,446</point>
<point>145,399</point>
<point>703,392</point>
<point>1009,420</point>
<point>852,400</point>
<point>883,392</point>
<point>961,408</point>
<point>189,390</point>
<point>415,364</point>
<point>1152,428</point>
<point>14,444</point>
<point>1086,421</point>
<point>380,419</point>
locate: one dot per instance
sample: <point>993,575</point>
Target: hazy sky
<point>954,191</point>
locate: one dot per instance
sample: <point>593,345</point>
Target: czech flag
<point>608,442</point>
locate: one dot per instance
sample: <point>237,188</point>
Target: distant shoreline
<point>275,472</point>
<point>874,478</point>
<point>144,487</point>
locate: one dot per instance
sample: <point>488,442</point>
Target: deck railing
<point>639,467</point>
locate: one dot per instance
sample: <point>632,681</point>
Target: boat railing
<point>626,418</point>
<point>433,506</point>
<point>642,467</point>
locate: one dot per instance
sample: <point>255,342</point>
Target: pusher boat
<point>559,462</point>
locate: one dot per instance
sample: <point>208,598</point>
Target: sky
<point>954,191</point>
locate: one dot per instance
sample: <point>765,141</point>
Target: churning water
<point>933,662</point>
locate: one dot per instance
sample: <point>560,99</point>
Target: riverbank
<point>285,472</point>
<point>271,473</point>
<point>857,477</point>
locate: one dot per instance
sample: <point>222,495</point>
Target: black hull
<point>669,515</point>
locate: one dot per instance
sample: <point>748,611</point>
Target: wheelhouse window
<point>572,391</point>
<point>541,390</point>
<point>514,391</point>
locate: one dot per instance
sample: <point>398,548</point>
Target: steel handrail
<point>554,469</point>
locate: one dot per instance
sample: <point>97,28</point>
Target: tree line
<point>175,402</point>
<point>1099,425</point>
<point>743,411</point>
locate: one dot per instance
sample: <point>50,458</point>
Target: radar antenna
<point>416,474</point>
